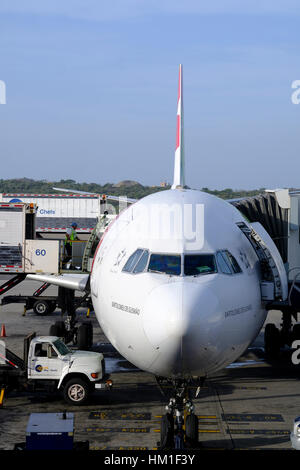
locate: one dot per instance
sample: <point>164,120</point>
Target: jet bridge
<point>278,211</point>
<point>272,211</point>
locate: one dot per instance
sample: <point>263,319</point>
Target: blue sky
<point>91,89</point>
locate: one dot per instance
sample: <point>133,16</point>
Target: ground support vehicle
<point>50,364</point>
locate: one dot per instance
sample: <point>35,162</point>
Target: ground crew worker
<point>71,235</point>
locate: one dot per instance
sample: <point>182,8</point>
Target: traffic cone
<point>3,332</point>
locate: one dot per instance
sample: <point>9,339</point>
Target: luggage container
<point>20,251</point>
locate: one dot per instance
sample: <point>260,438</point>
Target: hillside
<point>130,189</point>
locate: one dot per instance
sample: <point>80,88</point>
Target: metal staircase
<point>93,241</point>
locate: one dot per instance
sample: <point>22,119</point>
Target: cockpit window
<point>142,262</point>
<point>233,262</point>
<point>132,261</point>
<point>227,263</point>
<point>137,262</point>
<point>168,264</point>
<point>223,263</point>
<point>199,264</point>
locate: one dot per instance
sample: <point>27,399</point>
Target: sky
<point>91,91</point>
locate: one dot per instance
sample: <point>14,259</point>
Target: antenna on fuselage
<point>179,178</point>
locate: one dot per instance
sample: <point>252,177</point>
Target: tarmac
<point>250,405</point>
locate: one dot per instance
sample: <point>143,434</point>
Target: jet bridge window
<point>227,263</point>
<point>194,265</point>
<point>168,264</point>
<point>137,262</point>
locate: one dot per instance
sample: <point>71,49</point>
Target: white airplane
<point>178,283</point>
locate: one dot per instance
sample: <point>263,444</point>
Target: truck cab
<point>47,358</point>
<point>76,373</point>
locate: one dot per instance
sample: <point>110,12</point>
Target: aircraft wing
<point>121,198</point>
<point>107,196</point>
<point>69,281</point>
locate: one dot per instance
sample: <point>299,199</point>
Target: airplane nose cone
<point>176,320</point>
<point>162,318</point>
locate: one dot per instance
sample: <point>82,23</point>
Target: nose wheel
<point>167,432</point>
<point>179,426</point>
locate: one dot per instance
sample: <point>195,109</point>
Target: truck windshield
<point>61,347</point>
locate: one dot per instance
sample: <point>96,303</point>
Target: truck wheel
<point>52,307</point>
<point>76,391</point>
<point>89,326</point>
<point>83,337</point>
<point>41,307</point>
<point>58,329</point>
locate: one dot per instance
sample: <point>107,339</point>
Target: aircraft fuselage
<point>181,313</point>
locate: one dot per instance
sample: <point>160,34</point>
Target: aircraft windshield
<point>137,262</point>
<point>227,263</point>
<point>132,261</point>
<point>193,265</point>
<point>168,264</point>
<point>199,264</point>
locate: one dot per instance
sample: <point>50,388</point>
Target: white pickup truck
<point>48,362</point>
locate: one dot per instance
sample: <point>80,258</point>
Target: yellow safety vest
<point>72,237</point>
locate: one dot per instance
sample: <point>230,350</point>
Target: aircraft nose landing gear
<point>179,426</point>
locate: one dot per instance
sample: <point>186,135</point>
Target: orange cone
<point>3,332</point>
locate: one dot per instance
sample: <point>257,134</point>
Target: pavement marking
<point>199,416</point>
<point>207,423</point>
<point>121,430</point>
<point>273,432</point>
<point>208,430</point>
<point>119,416</point>
<point>199,430</point>
<point>117,448</point>
<point>251,417</point>
<point>225,387</point>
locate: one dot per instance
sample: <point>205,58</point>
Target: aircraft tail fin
<point>179,177</point>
